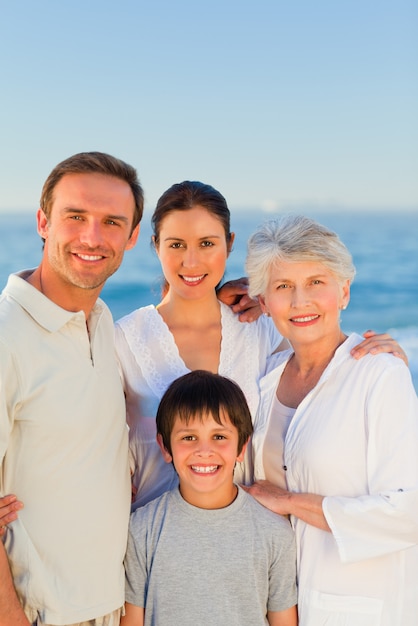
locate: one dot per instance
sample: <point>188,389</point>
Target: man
<point>63,438</point>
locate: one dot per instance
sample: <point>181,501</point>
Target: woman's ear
<point>230,242</point>
<point>345,296</point>
<point>155,245</point>
<point>166,455</point>
<point>263,305</point>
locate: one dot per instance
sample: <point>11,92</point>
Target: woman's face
<point>304,300</point>
<point>193,251</point>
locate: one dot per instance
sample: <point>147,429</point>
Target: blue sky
<point>279,104</point>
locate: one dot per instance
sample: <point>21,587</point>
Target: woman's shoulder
<point>137,316</point>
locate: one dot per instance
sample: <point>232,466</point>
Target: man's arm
<point>11,612</point>
<point>134,615</point>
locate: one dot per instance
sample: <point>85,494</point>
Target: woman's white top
<point>149,361</point>
<point>354,440</point>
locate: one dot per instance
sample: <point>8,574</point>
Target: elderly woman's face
<point>304,299</point>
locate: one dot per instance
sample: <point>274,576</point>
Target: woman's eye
<point>207,244</point>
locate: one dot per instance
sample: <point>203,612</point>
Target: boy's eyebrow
<point>188,429</point>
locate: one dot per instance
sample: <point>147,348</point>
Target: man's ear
<point>241,455</point>
<point>42,223</point>
<point>166,455</point>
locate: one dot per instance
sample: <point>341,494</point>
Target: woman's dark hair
<point>186,195</point>
<point>200,394</point>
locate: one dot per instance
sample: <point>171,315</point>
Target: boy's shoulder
<point>149,511</point>
<point>264,516</point>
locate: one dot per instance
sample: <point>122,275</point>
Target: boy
<point>207,553</point>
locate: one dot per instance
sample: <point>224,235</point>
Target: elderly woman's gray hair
<point>294,238</point>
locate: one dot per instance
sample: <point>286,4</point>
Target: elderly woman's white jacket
<point>353,439</point>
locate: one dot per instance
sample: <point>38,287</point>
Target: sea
<point>384,245</point>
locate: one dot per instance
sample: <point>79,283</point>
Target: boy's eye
<point>189,438</point>
<point>219,437</point>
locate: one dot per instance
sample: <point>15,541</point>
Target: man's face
<point>89,229</point>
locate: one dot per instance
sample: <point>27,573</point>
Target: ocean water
<point>384,295</point>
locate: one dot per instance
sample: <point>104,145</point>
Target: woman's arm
<point>305,506</point>
<point>11,612</point>
<point>9,506</point>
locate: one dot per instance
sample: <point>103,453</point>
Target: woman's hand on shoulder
<point>234,293</point>
<point>375,343</point>
<point>269,495</point>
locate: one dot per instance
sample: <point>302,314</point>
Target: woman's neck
<point>177,311</point>
<point>305,367</point>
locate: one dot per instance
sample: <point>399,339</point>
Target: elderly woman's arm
<point>383,518</point>
<point>305,506</point>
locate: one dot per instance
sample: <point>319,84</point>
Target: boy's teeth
<point>204,469</point>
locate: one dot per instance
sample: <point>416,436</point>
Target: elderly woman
<point>336,439</point>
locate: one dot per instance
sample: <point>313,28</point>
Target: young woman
<point>189,329</point>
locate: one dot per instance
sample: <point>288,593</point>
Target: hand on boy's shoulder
<point>264,511</point>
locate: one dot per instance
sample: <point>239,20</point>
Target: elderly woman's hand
<point>305,506</point>
<point>269,495</point>
<point>234,293</point>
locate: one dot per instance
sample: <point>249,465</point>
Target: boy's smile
<point>204,454</point>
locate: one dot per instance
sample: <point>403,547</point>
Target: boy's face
<point>204,455</point>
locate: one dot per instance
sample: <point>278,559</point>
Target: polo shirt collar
<point>45,312</point>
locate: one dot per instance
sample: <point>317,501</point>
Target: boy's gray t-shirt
<point>190,566</point>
